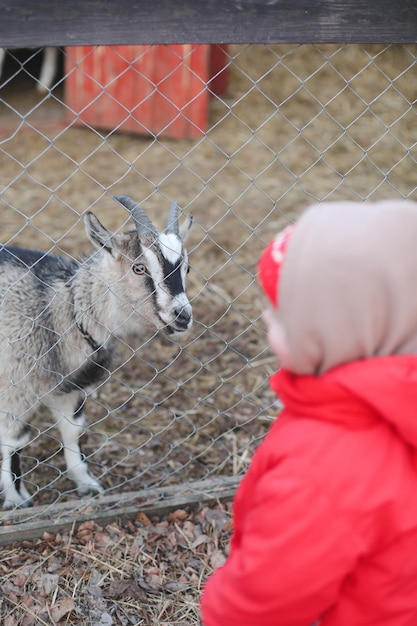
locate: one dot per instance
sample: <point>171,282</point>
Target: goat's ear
<point>99,235</point>
<point>185,228</point>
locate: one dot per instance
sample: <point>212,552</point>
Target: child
<point>325,520</point>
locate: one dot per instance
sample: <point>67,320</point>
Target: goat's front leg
<point>13,489</point>
<point>70,420</point>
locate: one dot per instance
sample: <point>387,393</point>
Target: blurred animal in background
<point>49,67</point>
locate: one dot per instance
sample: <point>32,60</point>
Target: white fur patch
<point>153,264</point>
<point>155,270</point>
<point>170,246</point>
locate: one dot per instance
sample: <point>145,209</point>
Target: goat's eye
<point>188,269</point>
<point>139,268</point>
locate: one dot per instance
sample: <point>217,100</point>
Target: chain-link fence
<point>244,137</point>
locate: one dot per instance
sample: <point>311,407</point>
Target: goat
<point>59,323</point>
<point>49,67</point>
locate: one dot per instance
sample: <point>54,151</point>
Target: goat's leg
<point>13,489</point>
<point>48,69</point>
<point>70,420</point>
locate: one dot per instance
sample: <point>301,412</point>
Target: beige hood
<point>348,287</point>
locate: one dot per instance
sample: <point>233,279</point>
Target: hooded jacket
<point>325,520</point>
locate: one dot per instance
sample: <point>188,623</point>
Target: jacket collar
<point>357,395</point>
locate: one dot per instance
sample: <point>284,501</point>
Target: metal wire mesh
<point>296,124</point>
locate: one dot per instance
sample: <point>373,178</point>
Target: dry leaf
<point>217,559</point>
<point>105,620</point>
<point>103,540</point>
<point>143,519</point>
<point>46,584</point>
<point>199,540</point>
<point>62,608</point>
<point>217,519</point>
<point>179,514</point>
<point>124,587</point>
<point>146,586</point>
<point>174,586</point>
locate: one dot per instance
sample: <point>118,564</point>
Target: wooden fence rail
<point>25,23</point>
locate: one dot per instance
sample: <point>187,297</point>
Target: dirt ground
<point>147,571</point>
<point>345,128</point>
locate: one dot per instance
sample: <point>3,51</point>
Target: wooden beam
<point>30,524</point>
<point>25,23</point>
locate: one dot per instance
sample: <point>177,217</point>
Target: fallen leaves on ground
<point>147,571</point>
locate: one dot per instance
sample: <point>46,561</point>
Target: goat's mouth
<point>181,324</point>
<point>174,329</point>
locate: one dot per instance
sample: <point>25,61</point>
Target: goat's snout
<point>183,316</point>
<point>180,319</point>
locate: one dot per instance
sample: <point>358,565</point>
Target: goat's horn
<point>142,221</point>
<point>172,223</point>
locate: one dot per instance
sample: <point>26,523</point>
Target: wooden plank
<point>30,524</point>
<point>25,23</point>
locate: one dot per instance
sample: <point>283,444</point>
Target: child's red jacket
<point>326,517</point>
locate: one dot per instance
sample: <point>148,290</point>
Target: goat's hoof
<point>17,502</point>
<point>90,489</point>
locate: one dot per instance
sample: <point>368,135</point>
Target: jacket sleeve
<point>289,557</point>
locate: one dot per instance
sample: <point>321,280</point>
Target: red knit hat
<point>270,264</point>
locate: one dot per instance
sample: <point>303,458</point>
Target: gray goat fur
<point>59,324</point>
